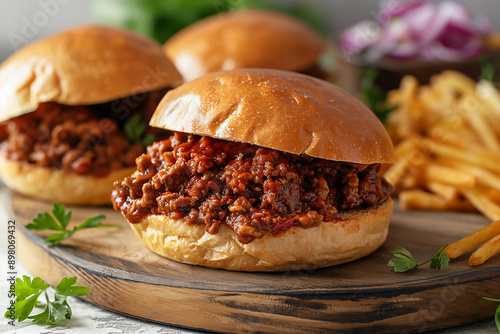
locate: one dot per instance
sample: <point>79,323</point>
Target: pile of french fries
<point>447,140</point>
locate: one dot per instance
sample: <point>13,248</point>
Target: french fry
<point>437,173</point>
<point>494,195</point>
<point>488,93</point>
<point>411,181</point>
<point>463,205</point>
<point>484,176</point>
<point>434,100</point>
<point>454,81</point>
<point>478,123</point>
<point>405,148</point>
<point>482,202</point>
<point>484,159</point>
<point>448,153</point>
<point>394,97</point>
<point>462,138</point>
<point>485,252</point>
<point>408,89</point>
<point>473,240</point>
<point>446,191</point>
<point>406,164</point>
<point>421,200</point>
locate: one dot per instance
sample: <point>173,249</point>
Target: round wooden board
<point>361,296</point>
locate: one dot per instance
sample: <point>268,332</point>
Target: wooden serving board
<point>362,296</point>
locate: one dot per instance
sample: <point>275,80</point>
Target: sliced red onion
<point>420,30</point>
<point>455,36</point>
<point>419,21</point>
<point>393,8</point>
<point>391,37</point>
<point>406,50</point>
<point>359,37</point>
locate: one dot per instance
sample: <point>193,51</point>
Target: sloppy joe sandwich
<point>246,39</point>
<point>267,170</point>
<point>66,101</point>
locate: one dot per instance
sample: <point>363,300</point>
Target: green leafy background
<point>160,19</point>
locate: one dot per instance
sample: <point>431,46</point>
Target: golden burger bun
<point>244,39</point>
<point>330,243</point>
<point>59,185</point>
<point>282,110</point>
<point>289,112</point>
<point>81,66</point>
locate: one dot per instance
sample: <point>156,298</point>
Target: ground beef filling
<point>252,190</point>
<point>81,139</point>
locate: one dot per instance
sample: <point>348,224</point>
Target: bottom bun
<point>58,185</point>
<point>330,243</point>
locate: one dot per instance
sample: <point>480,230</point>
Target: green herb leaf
<point>497,318</point>
<point>148,139</point>
<point>67,288</point>
<point>61,215</point>
<point>400,266</point>
<point>53,313</point>
<point>487,71</point>
<point>497,313</point>
<point>373,96</point>
<point>27,292</point>
<point>404,261</point>
<point>55,238</point>
<point>92,222</point>
<point>44,221</point>
<point>440,259</point>
<point>24,307</point>
<point>134,129</point>
<point>26,287</point>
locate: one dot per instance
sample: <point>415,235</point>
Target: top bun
<point>244,39</point>
<point>282,110</point>
<point>85,65</point>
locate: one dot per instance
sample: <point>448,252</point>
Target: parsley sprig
<point>497,314</point>
<point>44,221</point>
<point>404,261</point>
<point>27,292</point>
<point>134,130</point>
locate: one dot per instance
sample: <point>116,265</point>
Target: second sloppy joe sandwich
<point>65,104</point>
<point>246,39</point>
<point>267,170</point>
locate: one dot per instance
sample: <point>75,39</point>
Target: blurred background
<point>22,21</point>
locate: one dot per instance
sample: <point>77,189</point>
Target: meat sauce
<point>81,139</point>
<point>253,190</point>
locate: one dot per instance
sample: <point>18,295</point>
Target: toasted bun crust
<point>286,111</point>
<point>328,244</point>
<point>85,65</point>
<point>244,39</point>
<point>58,185</point>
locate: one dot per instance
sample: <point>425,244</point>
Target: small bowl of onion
<point>420,38</point>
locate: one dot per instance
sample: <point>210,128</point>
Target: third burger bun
<point>245,39</point>
<point>268,171</point>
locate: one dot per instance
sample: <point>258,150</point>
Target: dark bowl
<point>391,71</point>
